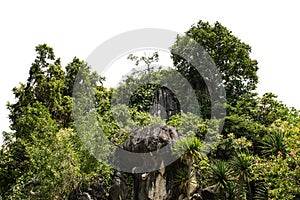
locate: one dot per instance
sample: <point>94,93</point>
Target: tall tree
<point>45,84</point>
<point>43,158</point>
<point>230,55</point>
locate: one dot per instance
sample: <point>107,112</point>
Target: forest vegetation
<point>256,156</point>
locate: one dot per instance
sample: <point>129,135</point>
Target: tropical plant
<point>278,172</point>
<point>220,178</point>
<point>241,164</point>
<point>273,143</point>
<point>190,150</point>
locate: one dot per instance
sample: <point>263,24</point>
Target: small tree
<point>220,178</point>
<point>241,164</point>
<point>148,60</point>
<point>190,150</point>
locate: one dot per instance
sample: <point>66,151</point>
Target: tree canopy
<point>256,156</point>
<point>230,55</point>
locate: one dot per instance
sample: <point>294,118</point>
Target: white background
<point>76,28</point>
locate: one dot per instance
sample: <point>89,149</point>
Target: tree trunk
<point>189,180</point>
<point>241,180</point>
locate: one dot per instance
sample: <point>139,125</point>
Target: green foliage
<point>241,164</point>
<point>138,89</point>
<point>270,110</point>
<point>228,146</point>
<point>190,150</point>
<point>257,155</point>
<point>182,179</point>
<point>189,124</point>
<point>230,55</point>
<point>148,60</point>
<point>142,98</point>
<point>134,93</point>
<point>273,143</point>
<point>280,170</point>
<point>38,121</point>
<point>120,121</point>
<point>46,84</point>
<point>52,168</point>
<point>281,176</point>
<point>14,162</point>
<point>252,117</point>
<point>227,177</point>
<point>40,158</point>
<point>220,177</point>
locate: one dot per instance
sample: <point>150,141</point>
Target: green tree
<point>14,162</point>
<point>279,171</point>
<point>43,157</point>
<point>220,179</point>
<point>148,60</point>
<point>269,109</point>
<point>190,150</point>
<point>230,55</point>
<point>241,164</point>
<point>138,88</point>
<point>46,84</point>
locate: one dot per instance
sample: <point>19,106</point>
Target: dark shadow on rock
<point>119,189</point>
<point>152,184</point>
<point>95,191</point>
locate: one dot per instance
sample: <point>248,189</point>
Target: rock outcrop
<point>158,184</point>
<point>165,104</point>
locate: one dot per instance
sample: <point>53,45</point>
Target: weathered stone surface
<point>153,148</point>
<point>119,188</point>
<point>159,184</point>
<point>165,103</point>
<point>151,138</point>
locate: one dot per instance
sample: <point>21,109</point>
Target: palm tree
<point>221,176</point>
<point>190,150</point>
<point>273,144</point>
<point>241,164</point>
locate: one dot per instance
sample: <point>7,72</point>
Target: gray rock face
<point>119,188</point>
<point>151,138</point>
<point>159,184</point>
<point>165,103</point>
<point>153,148</point>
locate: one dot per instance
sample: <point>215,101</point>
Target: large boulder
<point>157,184</point>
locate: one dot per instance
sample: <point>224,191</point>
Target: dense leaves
<point>256,156</point>
<point>230,55</point>
<point>43,157</point>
